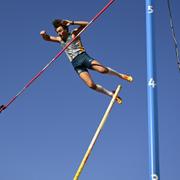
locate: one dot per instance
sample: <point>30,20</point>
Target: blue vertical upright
<point>154,173</point>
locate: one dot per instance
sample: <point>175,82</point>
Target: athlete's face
<point>61,31</point>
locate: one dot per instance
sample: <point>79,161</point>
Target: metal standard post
<point>88,152</point>
<point>152,94</point>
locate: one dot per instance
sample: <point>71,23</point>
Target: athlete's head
<point>60,27</point>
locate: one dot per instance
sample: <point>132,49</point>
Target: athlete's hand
<point>44,35</point>
<point>67,22</point>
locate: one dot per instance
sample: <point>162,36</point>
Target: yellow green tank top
<point>74,49</point>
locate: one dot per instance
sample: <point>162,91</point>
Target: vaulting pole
<point>3,107</point>
<point>89,150</point>
<point>154,173</point>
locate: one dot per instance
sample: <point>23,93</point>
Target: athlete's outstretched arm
<point>81,24</point>
<point>47,37</point>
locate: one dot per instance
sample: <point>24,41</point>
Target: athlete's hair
<point>58,22</point>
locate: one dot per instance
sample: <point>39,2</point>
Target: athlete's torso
<point>74,49</point>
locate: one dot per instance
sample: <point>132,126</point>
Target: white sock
<point>113,72</point>
<point>100,89</point>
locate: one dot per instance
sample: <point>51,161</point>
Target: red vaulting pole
<point>3,107</point>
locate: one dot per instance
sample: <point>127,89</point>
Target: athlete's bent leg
<point>107,70</point>
<point>85,76</point>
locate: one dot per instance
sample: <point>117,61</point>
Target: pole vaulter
<point>3,107</point>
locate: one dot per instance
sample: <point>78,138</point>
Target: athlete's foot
<point>126,77</point>
<point>118,99</point>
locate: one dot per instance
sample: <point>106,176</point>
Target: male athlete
<point>78,56</point>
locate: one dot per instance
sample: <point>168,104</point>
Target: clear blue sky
<point>45,132</point>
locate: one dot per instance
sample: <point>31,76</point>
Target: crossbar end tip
<point>2,108</point>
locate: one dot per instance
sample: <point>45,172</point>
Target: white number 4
<point>152,83</point>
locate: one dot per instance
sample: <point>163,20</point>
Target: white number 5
<point>150,9</point>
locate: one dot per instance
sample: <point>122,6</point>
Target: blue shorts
<point>82,62</point>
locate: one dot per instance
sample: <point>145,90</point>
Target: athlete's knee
<point>103,70</point>
<point>91,85</point>
<point>99,67</point>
